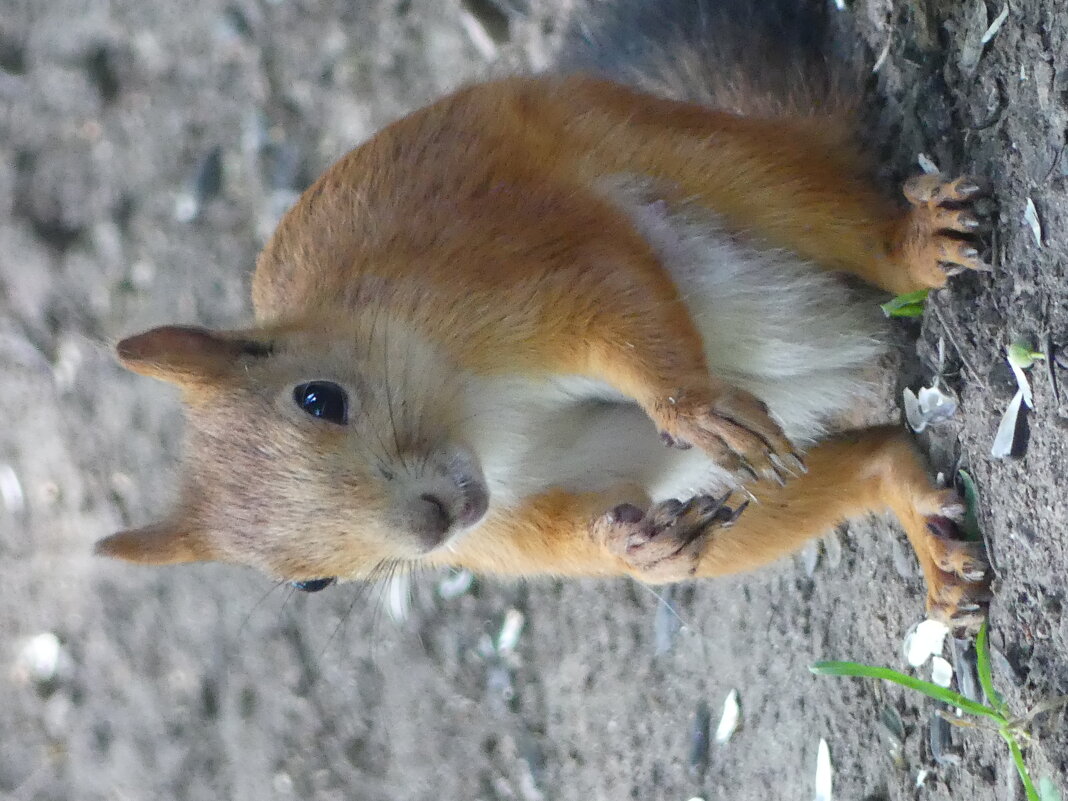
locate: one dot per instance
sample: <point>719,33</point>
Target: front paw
<point>734,428</point>
<point>938,235</point>
<point>665,543</point>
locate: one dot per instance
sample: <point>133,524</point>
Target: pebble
<point>11,493</point>
<point>810,557</point>
<point>455,584</point>
<point>41,660</point>
<point>697,763</point>
<point>940,740</point>
<point>204,185</point>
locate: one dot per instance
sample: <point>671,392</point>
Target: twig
<point>1053,166</point>
<point>950,333</point>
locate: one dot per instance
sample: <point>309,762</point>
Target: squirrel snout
<point>433,518</point>
<point>436,514</point>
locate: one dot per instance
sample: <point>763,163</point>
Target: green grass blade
<point>986,678</point>
<point>1021,768</point>
<point>857,670</point>
<point>907,305</point>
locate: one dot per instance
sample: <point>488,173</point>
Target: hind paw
<point>937,237</point>
<point>958,592</point>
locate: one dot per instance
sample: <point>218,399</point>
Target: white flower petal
<point>1031,218</point>
<point>936,404</point>
<point>510,630</point>
<point>924,640</point>
<point>824,772</point>
<point>929,406</point>
<point>732,715</point>
<point>1006,434</point>
<point>927,164</point>
<point>913,414</point>
<point>995,26</point>
<point>1023,384</point>
<point>941,671</point>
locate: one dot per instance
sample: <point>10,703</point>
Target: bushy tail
<point>766,58</point>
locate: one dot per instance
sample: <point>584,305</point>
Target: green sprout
<point>1020,354</point>
<point>995,713</point>
<point>970,525</point>
<point>908,305</point>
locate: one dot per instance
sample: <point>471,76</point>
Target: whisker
<point>255,606</point>
<point>670,607</point>
<point>360,592</point>
<point>371,339</point>
<point>409,410</point>
<point>286,599</point>
<point>389,396</point>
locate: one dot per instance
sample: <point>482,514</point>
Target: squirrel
<point>589,322</point>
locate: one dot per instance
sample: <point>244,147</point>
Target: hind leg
<point>870,471</point>
<point>779,181</point>
<point>619,531</point>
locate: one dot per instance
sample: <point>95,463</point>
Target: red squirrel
<point>581,323</point>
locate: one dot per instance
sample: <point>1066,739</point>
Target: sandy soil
<point>145,149</point>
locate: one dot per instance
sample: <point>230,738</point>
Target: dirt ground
<point>146,148</point>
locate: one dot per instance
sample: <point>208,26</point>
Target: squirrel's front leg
<point>551,533</point>
<point>653,353</point>
<point>614,532</point>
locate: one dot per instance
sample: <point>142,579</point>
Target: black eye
<point>312,585</point>
<point>323,399</point>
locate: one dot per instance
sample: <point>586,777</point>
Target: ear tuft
<point>158,544</point>
<point>186,355</point>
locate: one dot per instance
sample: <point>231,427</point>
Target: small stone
<point>11,494</point>
<point>697,763</point>
<point>41,660</point>
<point>832,550</point>
<point>455,584</point>
<point>810,557</point>
<point>940,740</point>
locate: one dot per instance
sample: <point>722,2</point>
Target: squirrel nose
<point>432,519</point>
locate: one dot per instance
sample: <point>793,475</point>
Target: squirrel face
<point>351,430</point>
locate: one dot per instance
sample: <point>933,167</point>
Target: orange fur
<point>482,226</point>
<point>868,472</point>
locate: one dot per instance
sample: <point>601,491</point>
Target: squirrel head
<point>314,450</point>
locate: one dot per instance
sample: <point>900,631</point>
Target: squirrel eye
<point>312,585</point>
<point>323,399</point>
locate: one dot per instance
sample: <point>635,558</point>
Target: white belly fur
<point>772,324</point>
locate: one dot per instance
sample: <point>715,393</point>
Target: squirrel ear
<point>186,354</point>
<point>161,543</point>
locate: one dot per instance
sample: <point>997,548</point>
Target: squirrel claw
<point>735,428</point>
<point>665,543</point>
<point>936,237</point>
<point>959,593</point>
